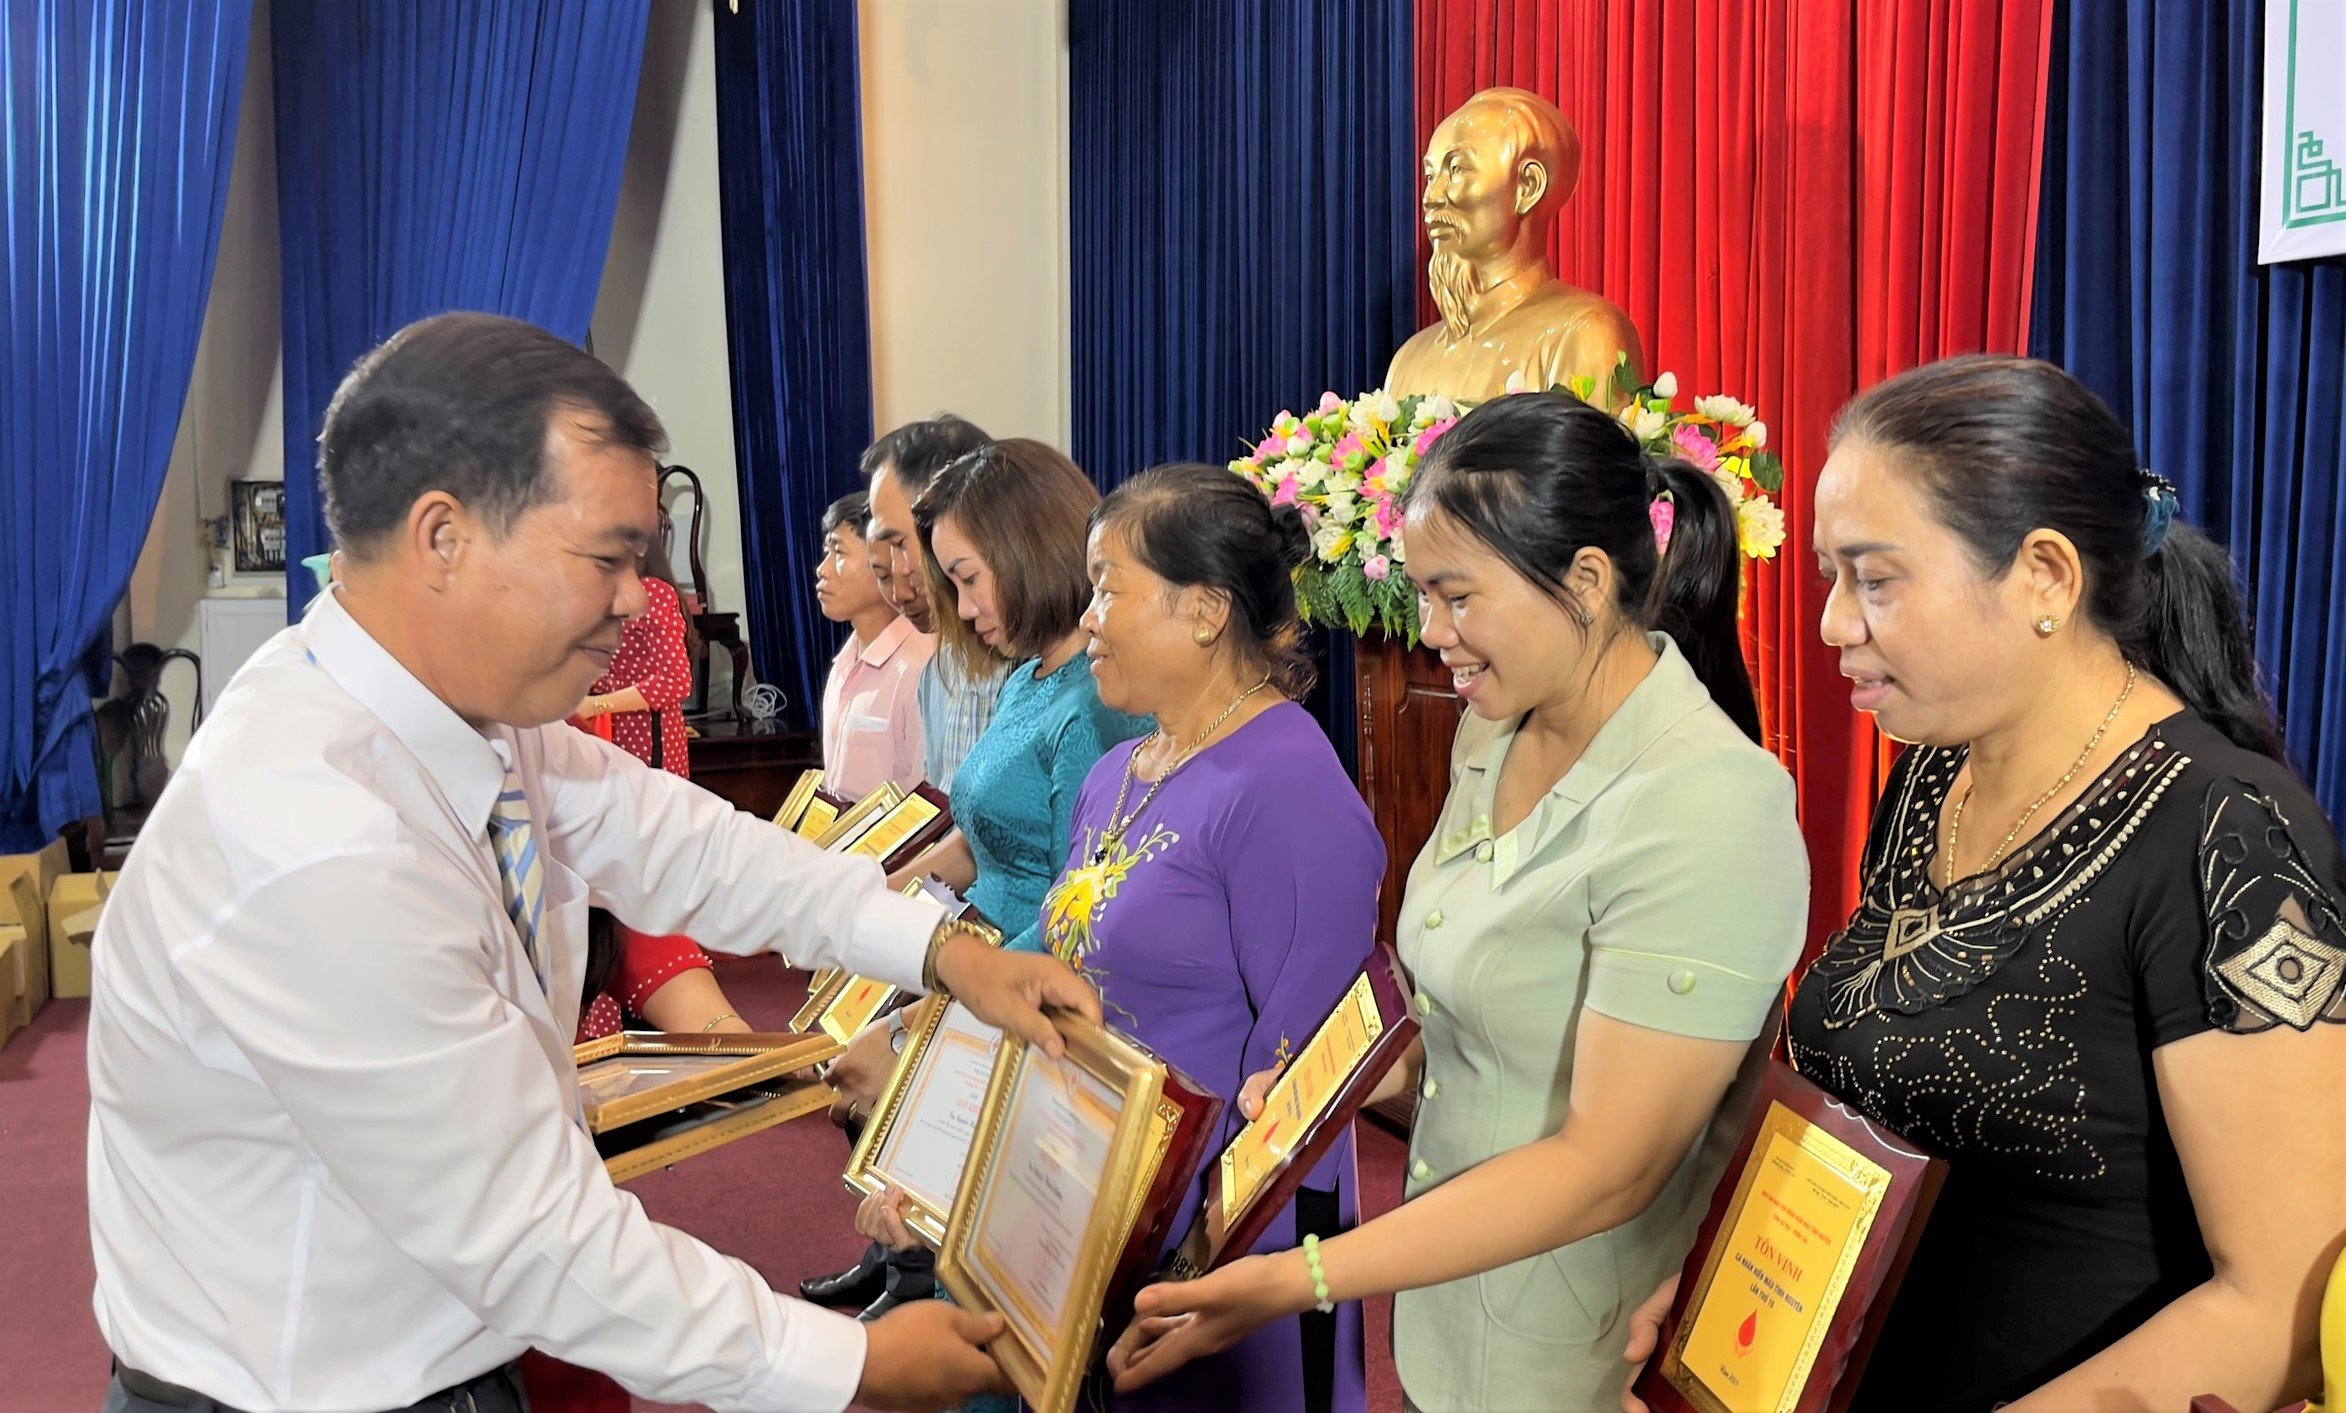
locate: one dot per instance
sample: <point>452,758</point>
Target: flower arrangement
<point>1345,464</point>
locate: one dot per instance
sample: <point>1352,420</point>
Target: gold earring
<point>1203,636</point>
<point>2047,625</point>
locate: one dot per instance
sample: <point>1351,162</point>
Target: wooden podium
<point>1408,718</point>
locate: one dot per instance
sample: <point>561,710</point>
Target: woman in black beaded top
<point>2099,964</point>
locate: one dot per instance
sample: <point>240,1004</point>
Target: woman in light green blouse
<point>1599,930</point>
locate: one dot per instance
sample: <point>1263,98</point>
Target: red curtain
<point>1791,201</point>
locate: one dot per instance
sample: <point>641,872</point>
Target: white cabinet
<point>233,630</point>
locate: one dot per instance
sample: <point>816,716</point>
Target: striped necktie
<point>520,868</point>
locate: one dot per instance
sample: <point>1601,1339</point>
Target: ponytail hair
<point>2003,447</point>
<point>1539,477</point>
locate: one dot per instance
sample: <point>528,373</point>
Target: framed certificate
<point>1307,1111</point>
<point>1796,1262</point>
<point>651,1099</point>
<point>816,819</point>
<point>920,1131</point>
<point>1065,1176</point>
<point>841,837</point>
<point>801,795</point>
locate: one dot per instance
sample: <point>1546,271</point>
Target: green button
<point>1681,982</point>
<point>1483,852</point>
<point>1418,1169</point>
<point>1433,919</point>
<point>1430,1088</point>
<point>1425,1004</point>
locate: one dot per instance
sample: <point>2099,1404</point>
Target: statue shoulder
<point>1589,333</point>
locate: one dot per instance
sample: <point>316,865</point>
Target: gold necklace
<point>1118,821</point>
<point>1955,824</point>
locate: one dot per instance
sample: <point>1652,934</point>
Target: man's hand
<point>1010,989</point>
<point>860,1072</point>
<point>928,1356</point>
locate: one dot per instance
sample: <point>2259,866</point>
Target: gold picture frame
<point>672,1096</point>
<point>816,819</point>
<point>1106,1092</point>
<point>840,838</point>
<point>918,1080</point>
<point>801,795</point>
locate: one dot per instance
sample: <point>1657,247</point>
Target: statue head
<point>1495,172</point>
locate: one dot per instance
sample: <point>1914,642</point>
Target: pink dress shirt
<point>871,712</point>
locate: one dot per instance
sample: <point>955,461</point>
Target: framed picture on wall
<point>256,517</point>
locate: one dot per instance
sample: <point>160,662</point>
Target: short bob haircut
<point>1027,509</point>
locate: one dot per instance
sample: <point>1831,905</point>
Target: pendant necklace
<point>1112,837</point>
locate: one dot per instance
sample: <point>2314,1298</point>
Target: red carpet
<point>774,1200</point>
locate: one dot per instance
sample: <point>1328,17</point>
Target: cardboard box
<point>29,909</point>
<point>74,901</point>
<point>16,1007</point>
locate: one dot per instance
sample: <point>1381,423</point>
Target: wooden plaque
<point>1308,1110</point>
<point>1798,1258</point>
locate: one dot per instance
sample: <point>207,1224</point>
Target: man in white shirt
<point>335,1159</point>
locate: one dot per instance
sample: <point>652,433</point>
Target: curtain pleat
<point>436,155</point>
<point>2232,374</point>
<point>119,131</point>
<point>798,319</point>
<point>1242,189</point>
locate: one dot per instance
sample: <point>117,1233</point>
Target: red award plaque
<point>1796,1262</point>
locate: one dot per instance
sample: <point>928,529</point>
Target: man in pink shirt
<point>871,708</point>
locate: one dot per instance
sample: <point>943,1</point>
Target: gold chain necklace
<point>1118,820</point>
<point>1955,825</point>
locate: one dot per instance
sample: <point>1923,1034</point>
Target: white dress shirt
<point>333,1157</point>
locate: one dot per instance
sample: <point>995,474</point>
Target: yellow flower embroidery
<point>1071,910</point>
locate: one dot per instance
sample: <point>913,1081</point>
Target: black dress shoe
<point>859,1284</point>
<point>890,1299</point>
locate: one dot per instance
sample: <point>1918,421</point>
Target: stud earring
<point>2047,626</point>
<point>1203,636</point>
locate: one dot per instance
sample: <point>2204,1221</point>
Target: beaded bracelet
<point>1319,1277</point>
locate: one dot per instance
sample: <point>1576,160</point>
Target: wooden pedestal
<point>753,769</point>
<point>1408,717</point>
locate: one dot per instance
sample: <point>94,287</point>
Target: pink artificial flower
<point>1310,514</point>
<point>1329,402</point>
<point>1663,512</point>
<point>1344,448</point>
<point>1377,567</point>
<point>1388,518</point>
<point>1271,448</point>
<point>1285,494</point>
<point>1698,450</point>
<point>1426,438</point>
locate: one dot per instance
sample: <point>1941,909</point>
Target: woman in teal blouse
<point>1005,528</point>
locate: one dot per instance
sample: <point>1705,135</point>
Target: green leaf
<point>1767,471</point>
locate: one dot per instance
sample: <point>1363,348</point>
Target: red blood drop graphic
<point>1748,1332</point>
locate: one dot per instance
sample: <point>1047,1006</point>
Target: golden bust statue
<point>1495,173</point>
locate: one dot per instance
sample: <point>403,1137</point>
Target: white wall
<point>965,202</point>
<point>232,425</point>
<point>660,315</point>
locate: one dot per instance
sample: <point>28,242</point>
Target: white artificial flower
<point>1299,444</point>
<point>1644,423</point>
<point>1666,386</point>
<point>1331,540</point>
<point>1311,473</point>
<point>1343,507</point>
<point>1759,527</point>
<point>1516,383</point>
<point>1725,409</point>
<point>1732,484</point>
<point>1435,409</point>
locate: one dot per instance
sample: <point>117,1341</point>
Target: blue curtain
<point>1241,198</point>
<point>797,317</point>
<point>436,155</point>
<point>121,126</point>
<point>2232,374</point>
